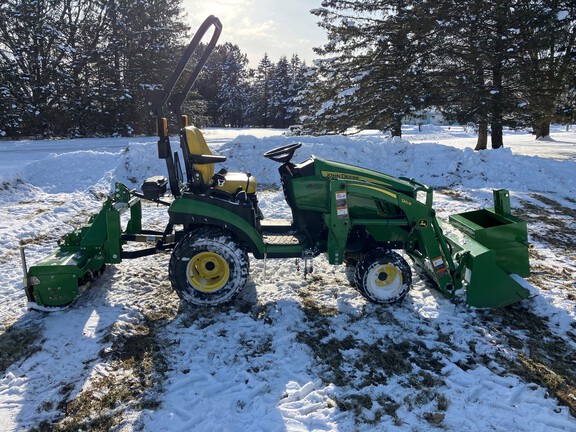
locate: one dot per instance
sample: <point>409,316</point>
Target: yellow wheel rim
<point>207,272</point>
<point>387,275</point>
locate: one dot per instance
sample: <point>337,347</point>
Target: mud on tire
<point>383,276</point>
<point>208,267</point>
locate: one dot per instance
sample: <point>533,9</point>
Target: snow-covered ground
<point>291,353</point>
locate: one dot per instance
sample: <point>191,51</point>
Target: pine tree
<point>142,47</point>
<point>547,40</point>
<point>299,75</point>
<point>280,94</point>
<point>42,42</point>
<point>233,88</point>
<point>473,69</point>
<point>84,67</point>
<point>505,63</point>
<point>376,72</point>
<point>208,87</point>
<point>259,109</point>
<point>494,63</point>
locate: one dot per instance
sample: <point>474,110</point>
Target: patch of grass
<point>379,361</point>
<point>329,356</point>
<point>258,311</point>
<point>18,343</point>
<point>442,402</point>
<point>355,365</point>
<point>135,356</point>
<point>259,347</point>
<point>355,403</point>
<point>434,418</point>
<point>368,409</point>
<point>541,356</point>
<point>455,194</point>
<point>555,205</point>
<point>546,277</point>
<point>555,221</point>
<point>560,385</point>
<point>313,309</point>
<point>43,426</point>
<point>389,406</point>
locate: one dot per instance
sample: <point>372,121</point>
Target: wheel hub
<point>387,275</point>
<point>385,281</point>
<point>207,272</point>
<point>382,276</point>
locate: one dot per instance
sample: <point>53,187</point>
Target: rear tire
<point>383,276</point>
<point>208,267</point>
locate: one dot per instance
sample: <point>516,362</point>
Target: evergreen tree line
<point>83,67</point>
<point>88,67</point>
<point>238,96</point>
<point>493,63</point>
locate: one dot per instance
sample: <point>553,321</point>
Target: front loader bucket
<point>490,247</point>
<point>82,254</point>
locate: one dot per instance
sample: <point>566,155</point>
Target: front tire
<point>208,267</point>
<point>383,276</point>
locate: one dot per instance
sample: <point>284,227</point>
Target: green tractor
<point>355,216</point>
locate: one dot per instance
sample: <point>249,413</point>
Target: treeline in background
<point>79,68</point>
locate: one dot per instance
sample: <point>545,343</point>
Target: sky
<point>276,27</point>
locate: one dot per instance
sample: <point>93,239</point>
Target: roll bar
<point>166,96</point>
<point>174,100</point>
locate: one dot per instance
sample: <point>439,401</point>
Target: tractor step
<point>266,223</point>
<point>282,239</point>
<point>289,244</point>
<point>277,227</point>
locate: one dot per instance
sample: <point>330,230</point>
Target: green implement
<point>492,247</point>
<point>82,254</point>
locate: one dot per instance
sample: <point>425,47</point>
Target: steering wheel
<point>283,154</point>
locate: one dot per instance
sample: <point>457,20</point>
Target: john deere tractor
<point>357,217</point>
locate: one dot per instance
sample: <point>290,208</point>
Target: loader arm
<point>419,230</point>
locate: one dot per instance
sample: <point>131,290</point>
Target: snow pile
<point>434,164</point>
<point>437,165</point>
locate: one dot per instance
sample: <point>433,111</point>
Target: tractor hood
<point>337,170</point>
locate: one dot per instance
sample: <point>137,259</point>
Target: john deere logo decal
<point>423,223</point>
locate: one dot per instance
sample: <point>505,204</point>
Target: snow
<point>291,353</point>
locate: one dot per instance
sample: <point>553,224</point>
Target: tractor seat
<point>202,162</point>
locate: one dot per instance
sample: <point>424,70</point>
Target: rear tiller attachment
<point>82,254</point>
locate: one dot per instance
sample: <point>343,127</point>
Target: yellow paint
<point>343,176</point>
<point>207,272</point>
<point>384,191</point>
